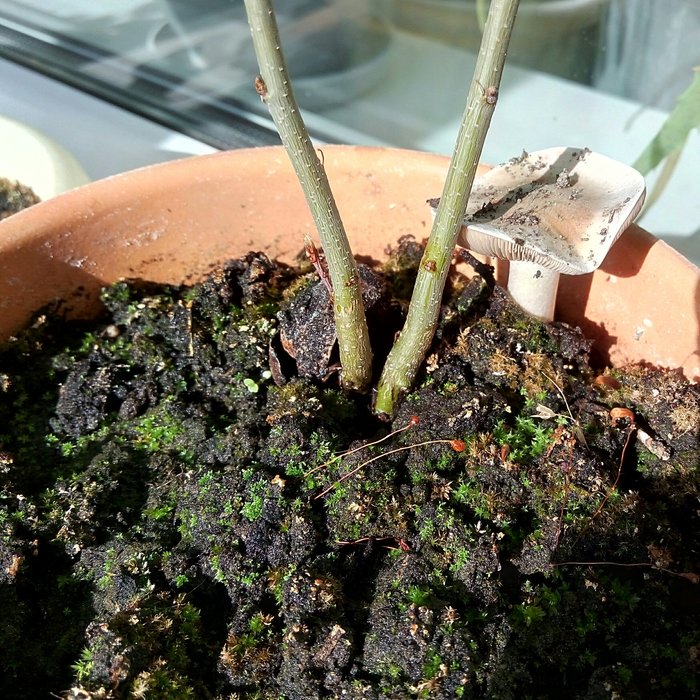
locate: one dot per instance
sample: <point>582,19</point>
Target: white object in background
<point>36,160</point>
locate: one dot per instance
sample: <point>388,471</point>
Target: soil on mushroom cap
<point>161,535</point>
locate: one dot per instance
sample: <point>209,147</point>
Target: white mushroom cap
<point>560,210</point>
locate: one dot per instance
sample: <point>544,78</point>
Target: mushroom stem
<point>533,288</point>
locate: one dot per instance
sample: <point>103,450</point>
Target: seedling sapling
<point>408,353</point>
<point>412,345</point>
<point>275,89</point>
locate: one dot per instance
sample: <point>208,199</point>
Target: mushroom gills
<point>550,212</point>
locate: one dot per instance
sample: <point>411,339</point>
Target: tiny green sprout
<point>433,665</point>
<point>253,509</point>
<point>528,614</point>
<point>259,623</point>
<point>526,440</point>
<point>251,385</point>
<point>418,596</point>
<point>181,580</point>
<point>84,665</point>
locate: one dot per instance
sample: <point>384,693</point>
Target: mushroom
<point>551,212</point>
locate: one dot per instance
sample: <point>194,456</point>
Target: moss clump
<point>163,533</point>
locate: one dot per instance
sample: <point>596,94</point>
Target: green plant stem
<point>274,87</point>
<point>417,334</point>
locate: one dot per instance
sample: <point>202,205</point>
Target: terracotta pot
<point>177,221</point>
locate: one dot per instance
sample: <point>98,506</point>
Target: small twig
<point>312,253</point>
<point>687,575</point>
<point>602,563</point>
<point>457,446</point>
<point>414,420</point>
<point>190,336</point>
<point>654,445</point>
<point>560,391</point>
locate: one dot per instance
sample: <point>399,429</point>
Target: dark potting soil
<point>14,196</point>
<point>174,524</point>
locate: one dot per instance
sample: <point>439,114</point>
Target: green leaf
<point>680,122</point>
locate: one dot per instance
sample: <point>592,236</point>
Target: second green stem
<point>412,345</point>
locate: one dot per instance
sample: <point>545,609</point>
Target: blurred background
<point>117,84</point>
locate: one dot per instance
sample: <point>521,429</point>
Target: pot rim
<point>169,223</point>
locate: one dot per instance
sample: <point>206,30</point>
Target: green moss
<point>470,493</point>
<point>445,573</point>
<point>159,429</point>
<point>527,439</point>
<point>161,511</point>
<point>278,579</point>
<point>431,667</point>
<point>527,615</point>
<point>418,595</point>
<point>461,557</point>
<point>84,665</point>
<point>252,509</point>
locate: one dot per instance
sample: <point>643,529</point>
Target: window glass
<point>597,73</point>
